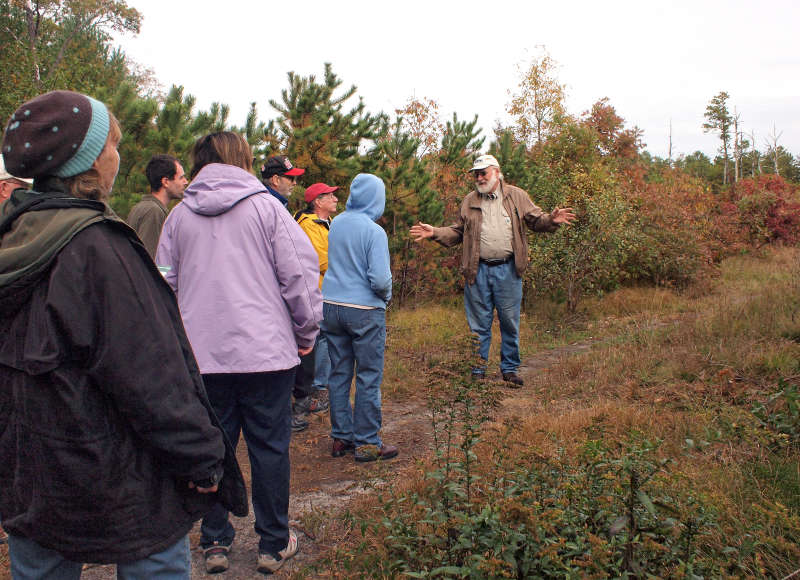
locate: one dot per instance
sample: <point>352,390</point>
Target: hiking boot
<point>267,563</point>
<point>374,453</point>
<point>514,379</point>
<point>310,404</point>
<point>478,375</point>
<point>298,424</point>
<point>216,558</point>
<point>341,447</point>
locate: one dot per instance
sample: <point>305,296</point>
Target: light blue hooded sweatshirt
<point>358,251</point>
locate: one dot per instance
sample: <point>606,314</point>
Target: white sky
<point>655,61</point>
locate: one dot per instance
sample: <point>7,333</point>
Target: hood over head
<point>367,195</point>
<point>218,187</point>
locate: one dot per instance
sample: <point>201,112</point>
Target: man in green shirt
<point>167,182</point>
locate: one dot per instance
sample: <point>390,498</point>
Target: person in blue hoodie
<point>355,292</point>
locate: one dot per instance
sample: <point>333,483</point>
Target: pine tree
<point>461,143</point>
<point>512,158</point>
<point>315,131</point>
<point>719,119</point>
<point>408,198</point>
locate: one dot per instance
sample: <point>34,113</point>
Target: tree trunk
<point>669,154</point>
<point>32,18</point>
<point>736,148</point>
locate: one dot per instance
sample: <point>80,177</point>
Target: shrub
<point>769,208</point>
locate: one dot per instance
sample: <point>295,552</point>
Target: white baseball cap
<point>6,175</point>
<point>483,162</point>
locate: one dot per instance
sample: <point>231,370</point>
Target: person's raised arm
<point>421,231</point>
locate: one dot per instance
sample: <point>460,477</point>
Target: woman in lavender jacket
<point>246,278</point>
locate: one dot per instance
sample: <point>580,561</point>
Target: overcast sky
<point>655,61</point>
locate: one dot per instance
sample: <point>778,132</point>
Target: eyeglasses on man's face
<point>480,173</point>
<point>291,178</point>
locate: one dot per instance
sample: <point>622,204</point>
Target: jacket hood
<point>34,227</point>
<point>367,195</point>
<point>219,187</point>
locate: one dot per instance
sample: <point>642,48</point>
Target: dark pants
<point>258,404</point>
<point>304,378</point>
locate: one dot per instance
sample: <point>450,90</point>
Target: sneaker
<point>373,452</point>
<point>301,406</point>
<point>514,379</point>
<point>298,424</point>
<point>341,447</point>
<point>216,558</point>
<point>319,402</point>
<point>267,563</point>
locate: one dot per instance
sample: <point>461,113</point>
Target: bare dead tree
<point>737,146</point>
<point>756,160</point>
<point>669,153</point>
<point>772,145</point>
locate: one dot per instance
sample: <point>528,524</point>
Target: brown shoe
<point>341,447</point>
<point>374,453</point>
<point>514,379</point>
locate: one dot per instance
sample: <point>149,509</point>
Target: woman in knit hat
<point>109,449</point>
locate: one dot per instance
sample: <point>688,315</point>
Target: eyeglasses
<point>291,178</point>
<point>481,173</point>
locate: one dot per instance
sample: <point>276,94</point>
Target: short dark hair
<point>159,167</point>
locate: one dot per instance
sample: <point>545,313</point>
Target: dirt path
<point>323,483</point>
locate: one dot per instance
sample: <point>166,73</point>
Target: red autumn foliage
<point>770,207</point>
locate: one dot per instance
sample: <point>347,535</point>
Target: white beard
<point>488,187</point>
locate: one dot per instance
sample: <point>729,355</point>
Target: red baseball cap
<point>314,191</point>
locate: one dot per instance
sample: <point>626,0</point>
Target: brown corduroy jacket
<point>467,229</point>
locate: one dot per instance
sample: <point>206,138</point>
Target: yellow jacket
<point>317,231</point>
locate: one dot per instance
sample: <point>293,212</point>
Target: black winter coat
<point>103,415</point>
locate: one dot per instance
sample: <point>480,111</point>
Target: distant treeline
<point>641,219</point>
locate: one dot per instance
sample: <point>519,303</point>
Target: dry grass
<point>681,368</point>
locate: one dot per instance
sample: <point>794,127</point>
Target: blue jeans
<point>322,362</point>
<point>495,288</point>
<point>356,341</point>
<point>30,561</point>
<point>258,404</point>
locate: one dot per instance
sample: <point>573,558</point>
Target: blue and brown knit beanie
<point>59,133</point>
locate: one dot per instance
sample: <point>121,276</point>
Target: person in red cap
<point>280,177</point>
<point>315,220</point>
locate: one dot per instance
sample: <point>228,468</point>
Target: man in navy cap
<point>280,176</point>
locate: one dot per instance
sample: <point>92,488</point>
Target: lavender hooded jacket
<point>245,274</point>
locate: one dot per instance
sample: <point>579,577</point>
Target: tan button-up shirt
<point>496,231</point>
<point>524,215</point>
